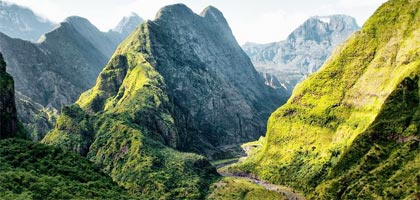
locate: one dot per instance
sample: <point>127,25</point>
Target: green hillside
<point>351,130</point>
<point>34,171</point>
<point>124,125</point>
<point>30,170</point>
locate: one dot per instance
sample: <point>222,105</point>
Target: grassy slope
<point>329,113</point>
<point>123,124</point>
<point>383,161</point>
<point>34,171</point>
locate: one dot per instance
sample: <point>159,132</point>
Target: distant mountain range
<point>303,52</point>
<point>20,22</point>
<point>54,71</point>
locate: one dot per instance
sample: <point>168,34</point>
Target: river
<point>287,192</point>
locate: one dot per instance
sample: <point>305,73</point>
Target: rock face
<point>55,71</point>
<point>178,82</point>
<point>20,22</point>
<point>351,130</point>
<point>219,97</point>
<point>272,81</point>
<point>8,118</point>
<point>304,51</point>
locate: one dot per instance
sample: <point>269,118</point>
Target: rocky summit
<point>304,51</point>
<point>56,70</point>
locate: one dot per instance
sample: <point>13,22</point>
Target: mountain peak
<point>213,14</point>
<point>79,22</point>
<point>174,11</point>
<point>320,28</point>
<point>304,51</point>
<point>333,20</point>
<point>128,23</point>
<point>82,25</point>
<point>211,10</point>
<point>75,18</point>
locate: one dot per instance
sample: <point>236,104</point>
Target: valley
<point>223,169</point>
<point>172,106</point>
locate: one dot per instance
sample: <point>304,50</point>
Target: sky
<point>258,21</point>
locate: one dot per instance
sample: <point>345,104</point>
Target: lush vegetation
<point>346,130</point>
<point>35,171</point>
<point>124,125</point>
<point>383,161</point>
<point>240,189</point>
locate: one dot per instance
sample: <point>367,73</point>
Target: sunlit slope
<point>339,111</point>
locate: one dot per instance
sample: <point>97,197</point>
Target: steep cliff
<point>219,97</point>
<point>351,130</point>
<point>8,116</point>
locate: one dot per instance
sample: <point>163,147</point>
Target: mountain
<point>35,171</point>
<point>56,70</point>
<point>178,82</point>
<point>304,51</point>
<point>350,131</point>
<point>8,117</point>
<point>213,96</point>
<point>20,22</point>
<point>128,24</point>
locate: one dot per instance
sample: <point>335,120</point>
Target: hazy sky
<point>260,21</point>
